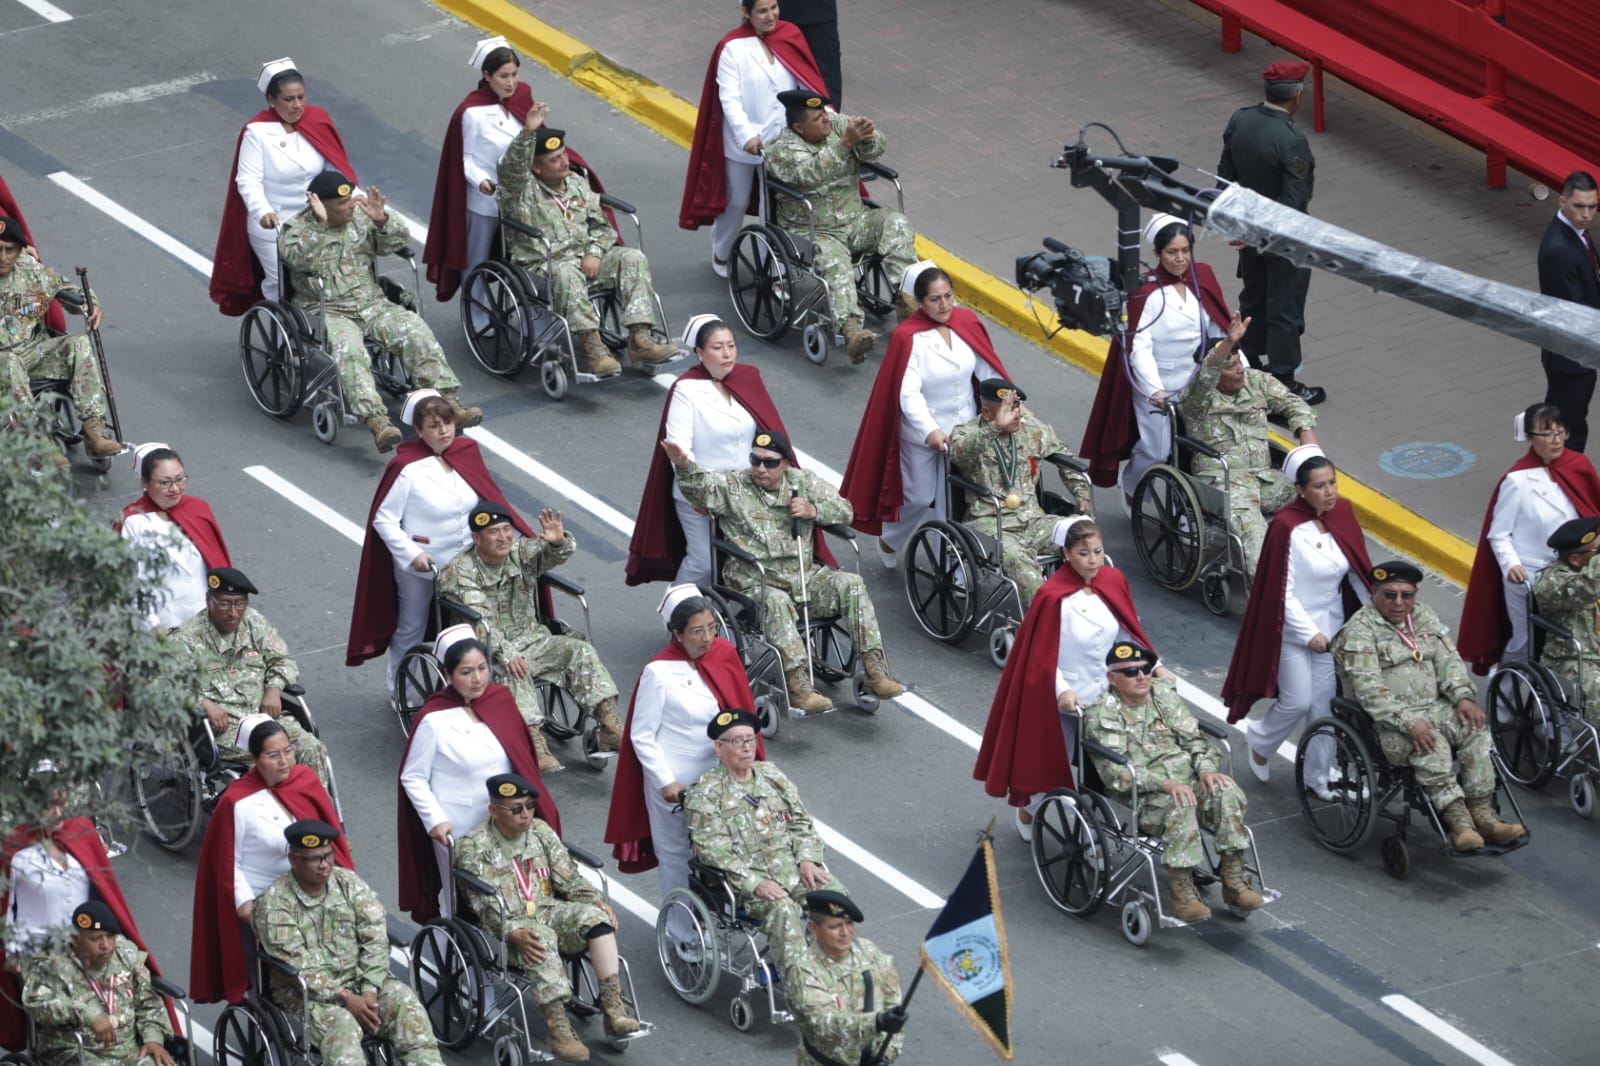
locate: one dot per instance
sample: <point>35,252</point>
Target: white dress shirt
<point>450,759</point>
<point>936,390</point>
<point>486,132</point>
<point>1530,508</point>
<point>275,169</point>
<point>1161,357</point>
<point>671,710</point>
<point>44,893</point>
<point>260,851</point>
<point>426,500</point>
<point>748,84</point>
<point>1313,592</point>
<point>714,429</point>
<point>1088,629</point>
<point>180,593</point>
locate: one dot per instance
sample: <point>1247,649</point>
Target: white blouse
<point>44,894</point>
<point>486,132</point>
<point>1088,629</point>
<point>936,391</point>
<point>275,168</point>
<point>714,429</point>
<point>451,757</point>
<point>1530,507</point>
<point>671,710</point>
<point>425,511</point>
<point>748,84</point>
<point>1161,357</point>
<point>181,592</point>
<point>1313,593</point>
<point>260,852</point>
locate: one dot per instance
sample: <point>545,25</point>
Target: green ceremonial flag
<point>965,952</point>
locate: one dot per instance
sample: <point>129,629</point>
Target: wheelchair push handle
<point>871,170</point>
<point>1100,751</point>
<point>1540,622</point>
<point>167,988</point>
<point>1201,449</point>
<point>523,228</point>
<point>70,297</point>
<point>966,484</point>
<point>474,882</point>
<point>584,857</point>
<point>734,550</point>
<point>1071,462</point>
<point>617,203</point>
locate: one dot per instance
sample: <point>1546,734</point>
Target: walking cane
<point>100,355</point>
<point>805,603</point>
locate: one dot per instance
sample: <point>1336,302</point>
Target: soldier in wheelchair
<point>1567,592</point>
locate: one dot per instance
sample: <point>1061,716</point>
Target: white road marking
<point>418,231</point>
<point>937,718</point>
<point>46,10</point>
<point>420,33</point>
<point>552,480</point>
<point>308,503</point>
<point>101,101</point>
<point>917,893</point>
<point>1415,1012</point>
<point>167,243</point>
<point>1174,1058</point>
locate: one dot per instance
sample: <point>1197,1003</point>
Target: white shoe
<point>688,951</point>
<point>1024,829</point>
<point>720,269</point>
<point>889,559</point>
<point>1263,771</point>
<point>1325,794</point>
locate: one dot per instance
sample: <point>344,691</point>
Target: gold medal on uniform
<point>525,886</point>
<point>1013,501</point>
<point>530,908</point>
<point>1416,653</point>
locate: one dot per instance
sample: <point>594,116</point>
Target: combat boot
<point>1489,825</point>
<point>384,435</point>
<point>644,348</point>
<point>1458,822</point>
<point>858,340</point>
<point>879,683</point>
<point>1187,906</point>
<point>597,358</point>
<point>618,1021</point>
<point>1236,890</point>
<point>97,442</point>
<point>564,1043</point>
<point>804,698</point>
<point>609,735</point>
<point>465,417</point>
<point>548,764</point>
<point>904,306</point>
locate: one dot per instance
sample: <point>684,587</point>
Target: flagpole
<point>877,1056</point>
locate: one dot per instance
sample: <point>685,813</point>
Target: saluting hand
<point>550,526</point>
<point>374,206</point>
<point>319,210</point>
<point>1237,327</point>
<point>537,113</point>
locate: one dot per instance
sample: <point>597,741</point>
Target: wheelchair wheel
<point>445,972</point>
<point>770,714</point>
<point>1068,852</point>
<point>167,790</point>
<point>325,421</point>
<point>1580,792</point>
<point>247,1036</point>
<point>553,379</point>
<point>692,966</point>
<point>941,581</point>
<point>1001,640</point>
<point>1344,823</point>
<point>760,273</point>
<point>270,355</point>
<point>508,1051</point>
<point>1216,593</point>
<point>1136,923</point>
<point>814,341</point>
<point>563,718</point>
<point>494,317</point>
<point>1396,858</point>
<point>874,288</point>
<point>1523,724</point>
<point>1168,527</point>
<point>418,678</point>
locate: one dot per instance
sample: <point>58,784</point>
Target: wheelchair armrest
<point>584,857</point>
<point>70,297</point>
<point>522,227</point>
<point>406,253</point>
<point>167,988</point>
<point>733,551</point>
<point>1071,462</point>
<point>401,933</point>
<point>840,530</point>
<point>1210,728</point>
<point>460,610</point>
<point>476,883</point>
<point>617,203</point>
<point>1103,752</point>
<point>1349,706</point>
<point>874,170</point>
<point>287,969</point>
<point>967,485</point>
<point>1196,446</point>
<point>1540,622</point>
<point>295,690</point>
<point>784,189</point>
<point>558,582</point>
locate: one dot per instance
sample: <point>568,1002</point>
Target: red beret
<point>1285,70</point>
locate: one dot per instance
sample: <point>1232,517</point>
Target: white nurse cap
<point>272,70</point>
<point>481,50</point>
<point>1297,457</point>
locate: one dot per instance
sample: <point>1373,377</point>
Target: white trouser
<point>1153,446</point>
<point>696,565</point>
<point>413,599</point>
<point>1305,685</point>
<point>669,835</point>
<point>1517,608</point>
<point>741,177</point>
<point>264,242</point>
<point>920,470</point>
<point>441,855</point>
<point>480,238</point>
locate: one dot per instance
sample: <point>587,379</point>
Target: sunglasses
<point>1135,671</point>
<point>516,808</point>
<point>1395,594</point>
<point>769,463</point>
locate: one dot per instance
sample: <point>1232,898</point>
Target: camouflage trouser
<point>64,359</point>
<point>397,329</point>
<point>570,662</point>
<point>1222,813</point>
<point>783,920</point>
<point>1019,556</point>
<point>308,750</point>
<point>882,230</point>
<point>58,1048</point>
<point>832,593</point>
<point>1452,740</point>
<point>401,1021</point>
<point>624,269</point>
<point>1590,672</point>
<point>1251,502</point>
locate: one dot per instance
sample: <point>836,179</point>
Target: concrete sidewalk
<point>977,99</point>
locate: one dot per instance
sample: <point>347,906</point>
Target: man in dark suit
<point>1569,269</point>
<point>819,23</point>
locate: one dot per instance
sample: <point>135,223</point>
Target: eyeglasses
<point>516,808</point>
<point>700,631</point>
<point>1550,434</point>
<point>230,606</point>
<point>281,755</point>
<point>1135,671</point>
<point>171,482</point>
<point>1396,594</point>
<point>738,742</point>
<point>769,463</point>
<point>325,859</point>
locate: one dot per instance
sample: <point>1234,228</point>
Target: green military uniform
<point>829,1000</point>
<point>30,351</point>
<point>65,1001</point>
<point>829,174</point>
<point>1569,598</point>
<point>507,596</point>
<point>1398,685</point>
<point>572,220</point>
<point>755,831</point>
<point>1162,742</point>
<point>564,905</point>
<point>234,670</point>
<point>339,942</point>
<point>342,258</point>
<point>1012,464</point>
<point>1236,426</point>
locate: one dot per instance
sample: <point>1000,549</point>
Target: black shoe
<point>1311,394</point>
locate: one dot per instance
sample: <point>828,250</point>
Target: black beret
<point>331,185</point>
<point>773,441</point>
<point>993,390</point>
<point>510,786</point>
<point>310,833</point>
<point>11,232</point>
<point>1125,651</point>
<point>487,514</point>
<point>226,579</point>
<point>1396,570</point>
<point>825,904</point>
<point>803,98</point>
<point>1571,536</point>
<point>92,915</point>
<point>550,140</point>
<point>728,719</point>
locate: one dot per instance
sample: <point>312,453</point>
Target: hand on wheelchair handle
<point>892,1020</point>
<point>269,221</point>
<point>422,563</point>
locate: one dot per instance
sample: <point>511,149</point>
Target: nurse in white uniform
<point>47,884</point>
<point>260,851</point>
<point>486,132</point>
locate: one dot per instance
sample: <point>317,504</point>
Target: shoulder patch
<point>1299,166</point>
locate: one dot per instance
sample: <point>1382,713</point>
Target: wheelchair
<point>1537,722</point>
<point>1088,849</point>
<point>421,675</point>
<point>738,622</point>
<point>954,580</point>
<point>519,326</point>
<point>178,1044</point>
<point>177,785</point>
<point>772,279</point>
<point>1365,787</point>
<point>726,939</point>
<point>54,397</point>
<point>466,982</point>
<point>283,350</point>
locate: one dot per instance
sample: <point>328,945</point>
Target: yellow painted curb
<point>673,117</point>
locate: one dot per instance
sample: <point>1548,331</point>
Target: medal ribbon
<point>1406,636</point>
<point>106,995</point>
<point>524,882</point>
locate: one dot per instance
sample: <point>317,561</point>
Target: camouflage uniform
<point>1028,529</point>
<point>63,1003</point>
<point>566,906</point>
<point>1162,741</point>
<point>339,942</point>
<point>343,257</point>
<point>828,998</point>
<point>575,226</point>
<point>754,831</point>
<point>30,351</point>
<point>1236,426</point>
<point>1569,598</point>
<point>507,596</point>
<point>234,670</point>
<point>759,522</point>
<point>1378,670</point>
<point>829,174</point>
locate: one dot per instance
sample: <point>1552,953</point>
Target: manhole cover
<point>1426,459</point>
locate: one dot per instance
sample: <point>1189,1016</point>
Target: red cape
<point>78,838</point>
<point>193,516</point>
<point>419,874</point>
<point>446,251</point>
<point>705,187</point>
<point>55,319</point>
<point>1485,625</point>
<point>628,824</point>
<point>372,619</point>
<point>217,969</point>
<point>235,274</point>
<point>1109,435</point>
<point>872,476</point>
<point>1023,751</point>
<point>1253,672</point>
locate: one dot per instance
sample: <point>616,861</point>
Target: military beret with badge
<point>487,514</point>
<point>308,833</point>
<point>1579,534</point>
<point>550,140</point>
<point>731,720</point>
<point>94,916</point>
<point>229,582</point>
<point>510,786</point>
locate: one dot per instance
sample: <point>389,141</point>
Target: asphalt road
<point>1495,956</point>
